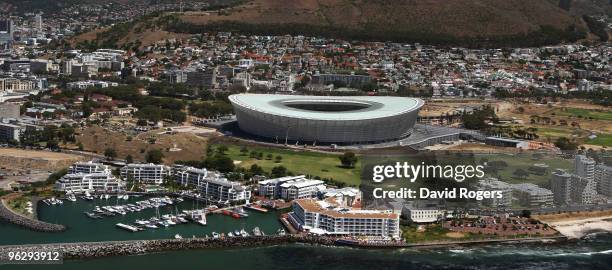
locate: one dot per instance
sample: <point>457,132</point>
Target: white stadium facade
<point>326,119</point>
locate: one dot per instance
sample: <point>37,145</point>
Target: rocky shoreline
<point>26,222</point>
<point>88,250</point>
<point>123,248</point>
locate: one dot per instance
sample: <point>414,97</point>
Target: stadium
<point>324,119</point>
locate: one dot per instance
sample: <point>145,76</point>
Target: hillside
<point>474,23</point>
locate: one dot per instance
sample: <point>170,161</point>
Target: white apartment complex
<point>301,189</point>
<point>327,217</point>
<point>212,186</point>
<point>89,167</point>
<point>533,196</point>
<point>81,182</point>
<point>270,188</point>
<point>493,184</point>
<point>145,173</point>
<point>290,187</point>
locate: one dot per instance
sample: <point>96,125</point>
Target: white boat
<point>127,227</point>
<point>151,226</point>
<point>257,231</point>
<point>215,235</point>
<point>71,198</point>
<point>230,234</point>
<point>244,233</point>
<point>178,236</point>
<point>141,222</point>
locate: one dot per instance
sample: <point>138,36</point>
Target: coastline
<point>87,250</point>
<point>578,228</point>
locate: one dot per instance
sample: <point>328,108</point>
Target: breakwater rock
<point>122,248</point>
<point>26,222</point>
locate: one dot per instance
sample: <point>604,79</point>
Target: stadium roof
<point>357,107</point>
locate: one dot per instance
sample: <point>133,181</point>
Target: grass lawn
<point>19,205</point>
<point>584,113</point>
<point>602,139</point>
<point>298,162</point>
<point>524,161</point>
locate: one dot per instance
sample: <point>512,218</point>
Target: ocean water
<point>592,252</point>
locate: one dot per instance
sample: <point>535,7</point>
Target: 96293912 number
<point>31,257</point>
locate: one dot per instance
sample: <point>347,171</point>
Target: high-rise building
<point>584,167</point>
<point>603,178</point>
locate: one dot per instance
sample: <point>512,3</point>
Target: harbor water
<point>81,228</point>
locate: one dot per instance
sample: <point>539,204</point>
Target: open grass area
<point>437,233</point>
<point>585,113</point>
<point>524,161</point>
<point>298,162</point>
<point>19,204</point>
<point>602,139</point>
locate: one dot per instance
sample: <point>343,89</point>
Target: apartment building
<point>327,217</point>
<point>271,188</point>
<point>89,167</point>
<point>301,189</point>
<point>146,173</point>
<point>584,167</point>
<point>492,184</point>
<point>222,191</point>
<point>81,182</point>
<point>533,196</point>
<point>603,178</point>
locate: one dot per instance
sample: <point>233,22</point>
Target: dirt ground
<point>177,146</point>
<point>31,166</point>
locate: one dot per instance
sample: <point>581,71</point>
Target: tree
<point>565,144</point>
<point>129,159</point>
<point>279,171</point>
<point>243,151</point>
<point>154,156</point>
<point>348,160</point>
<point>222,149</point>
<point>520,173</point>
<point>256,170</point>
<point>269,156</point>
<point>278,159</point>
<point>110,153</point>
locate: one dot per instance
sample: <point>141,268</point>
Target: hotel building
<point>146,173</point>
<point>328,217</point>
<point>81,182</point>
<point>572,189</point>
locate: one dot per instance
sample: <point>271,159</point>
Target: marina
<point>82,221</point>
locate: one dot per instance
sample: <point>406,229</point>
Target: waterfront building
<point>301,189</point>
<point>329,217</point>
<point>493,184</point>
<point>223,191</point>
<point>82,182</point>
<point>533,196</point>
<point>270,188</point>
<point>603,178</point>
<point>349,195</point>
<point>89,167</point>
<point>146,173</point>
<point>423,211</point>
<point>572,189</point>
<point>211,185</point>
